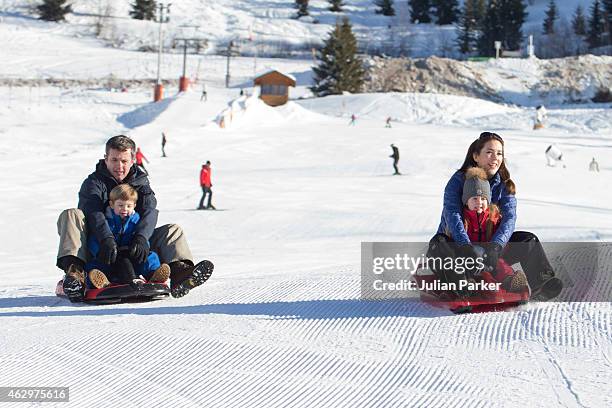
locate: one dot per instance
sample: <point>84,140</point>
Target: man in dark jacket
<point>73,224</point>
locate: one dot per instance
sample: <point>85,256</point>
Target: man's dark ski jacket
<point>94,198</point>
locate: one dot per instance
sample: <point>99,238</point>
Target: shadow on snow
<point>305,309</point>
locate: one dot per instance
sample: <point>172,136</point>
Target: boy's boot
<point>161,274</point>
<point>184,276</point>
<point>98,279</point>
<point>123,269</point>
<point>74,279</point>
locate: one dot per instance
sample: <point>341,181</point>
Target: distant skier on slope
<point>395,156</point>
<point>140,159</point>
<point>540,117</point>
<point>205,183</point>
<point>593,165</point>
<point>163,144</point>
<point>204,94</point>
<point>553,155</point>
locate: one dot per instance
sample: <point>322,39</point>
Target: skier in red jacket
<point>206,185</point>
<point>140,157</point>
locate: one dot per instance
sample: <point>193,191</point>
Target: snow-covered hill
<point>268,26</point>
<point>281,322</point>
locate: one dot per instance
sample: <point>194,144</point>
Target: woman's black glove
<point>492,253</point>
<point>108,251</point>
<point>466,251</point>
<point>471,252</point>
<point>139,249</point>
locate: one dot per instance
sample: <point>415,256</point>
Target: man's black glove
<point>139,249</point>
<point>108,251</point>
<point>492,253</point>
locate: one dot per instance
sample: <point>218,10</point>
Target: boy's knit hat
<point>476,184</point>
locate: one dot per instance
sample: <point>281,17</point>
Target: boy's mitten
<point>108,251</point>
<point>139,249</point>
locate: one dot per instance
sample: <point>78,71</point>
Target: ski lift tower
<point>159,88</point>
<point>232,51</point>
<point>188,41</point>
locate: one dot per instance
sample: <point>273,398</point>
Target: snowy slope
<point>280,323</point>
<point>36,51</point>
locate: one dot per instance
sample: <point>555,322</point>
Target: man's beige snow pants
<point>168,241</point>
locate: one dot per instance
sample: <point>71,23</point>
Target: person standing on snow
<point>540,117</point>
<point>388,122</point>
<point>140,159</point>
<point>204,94</point>
<point>594,166</point>
<point>163,144</point>
<point>395,156</point>
<point>206,185</point>
<point>353,120</point>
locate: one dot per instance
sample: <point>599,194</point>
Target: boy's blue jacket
<point>452,219</point>
<point>123,230</point>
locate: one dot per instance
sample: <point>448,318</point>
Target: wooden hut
<point>274,87</point>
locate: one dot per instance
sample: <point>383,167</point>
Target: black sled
<point>121,293</point>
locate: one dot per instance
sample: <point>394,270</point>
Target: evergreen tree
<point>53,10</point>
<point>491,29</point>
<point>480,10</point>
<point>420,11</point>
<point>143,10</point>
<point>551,16</point>
<point>596,26</point>
<point>338,69</point>
<point>447,11</point>
<point>607,8</point>
<point>302,6</point>
<point>385,7</point>
<point>579,22</point>
<point>512,16</point>
<point>336,5</point>
<point>468,26</point>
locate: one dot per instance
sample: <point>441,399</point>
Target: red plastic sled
<point>480,301</point>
